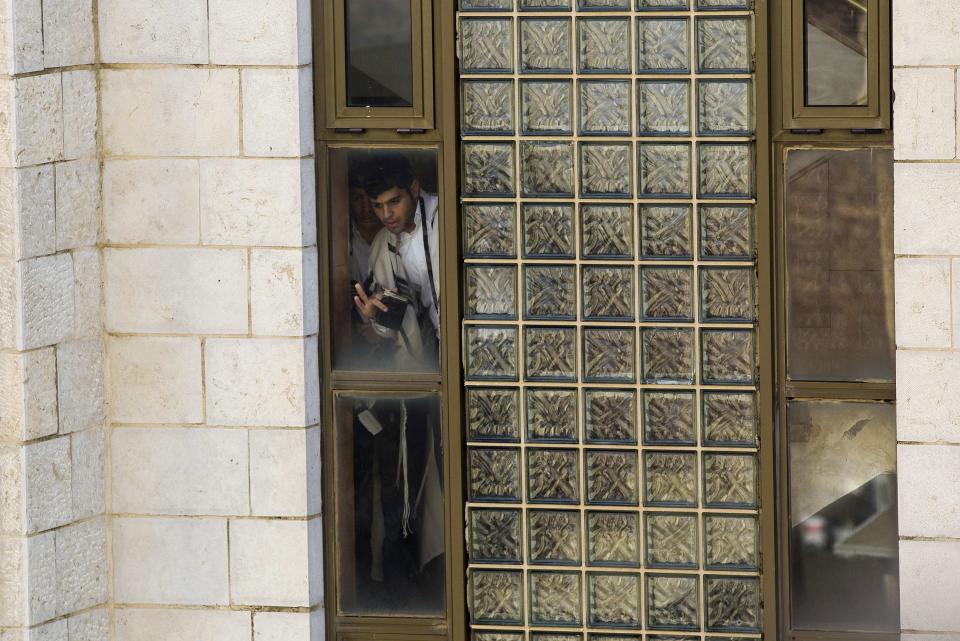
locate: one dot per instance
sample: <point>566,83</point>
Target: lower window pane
<point>390,517</point>
<point>843,516</point>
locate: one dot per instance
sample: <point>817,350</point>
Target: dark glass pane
<point>838,206</point>
<point>843,516</point>
<point>835,52</point>
<point>379,43</point>
<point>389,492</point>
<point>384,249</point>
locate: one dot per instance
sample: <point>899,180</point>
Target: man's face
<point>361,211</point>
<point>395,207</point>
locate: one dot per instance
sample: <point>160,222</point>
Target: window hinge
<point>807,132</point>
<point>349,130</point>
<point>410,130</point>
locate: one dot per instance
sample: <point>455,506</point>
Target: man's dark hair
<point>384,172</point>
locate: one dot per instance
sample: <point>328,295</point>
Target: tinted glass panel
<point>843,516</point>
<point>379,53</point>
<point>835,52</point>
<point>390,521</point>
<point>839,240</point>
<point>385,269</point>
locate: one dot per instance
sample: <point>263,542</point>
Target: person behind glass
<point>400,295</point>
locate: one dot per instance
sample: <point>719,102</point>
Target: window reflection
<point>835,35</point>
<point>379,53</point>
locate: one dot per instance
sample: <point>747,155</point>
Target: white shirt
<point>415,264</point>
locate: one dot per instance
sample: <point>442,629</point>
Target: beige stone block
<point>45,309</point>
<point>87,293</point>
<point>8,305</point>
<point>257,202</point>
<point>37,120</point>
<point>88,454</point>
<point>928,487</point>
<point>68,33</point>
<point>924,121</point>
<point>277,112</point>
<point>926,209</point>
<point>928,408</point>
<point>170,561</point>
<point>12,516</point>
<point>79,114</point>
<point>154,31</point>
<point>925,33</point>
<point>177,625</point>
<point>13,580</point>
<point>154,380</point>
<point>923,302</point>
<point>260,32</point>
<point>27,212</point>
<point>78,204</point>
<point>151,201</point>
<point>21,36</point>
<point>52,631</point>
<point>269,563</point>
<point>283,285</point>
<point>92,625</point>
<point>171,112</point>
<point>284,472</point>
<point>81,566</point>
<point>261,382</point>
<point>174,290</point>
<point>180,471</point>
<point>28,395</point>
<point>80,379</point>
<point>41,578</point>
<point>281,626</point>
<point>929,585</point>
<point>48,494</point>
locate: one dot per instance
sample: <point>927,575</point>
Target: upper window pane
<point>838,206</point>
<point>835,52</point>
<point>379,39</point>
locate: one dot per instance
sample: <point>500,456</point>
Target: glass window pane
<point>385,259</point>
<point>390,515</point>
<point>835,51</point>
<point>838,206</point>
<point>379,43</point>
<point>843,516</point>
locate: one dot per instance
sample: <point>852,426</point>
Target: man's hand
<point>368,306</point>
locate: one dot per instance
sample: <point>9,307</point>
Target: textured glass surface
<point>670,478</point>
<point>612,477</point>
<point>486,44</point>
<point>605,107</point>
<point>731,542</point>
<point>548,231</point>
<point>554,537</point>
<point>732,604</point>
<point>488,169</point>
<point>497,636</point>
<point>660,5</point>
<point>663,45</point>
<point>838,207</point>
<point>835,53</point>
<point>672,602</point>
<point>496,596</point>
<point>487,106</point>
<point>607,293</point>
<point>603,5</point>
<point>604,45</point>
<point>494,474</point>
<point>666,231</point>
<point>606,231</point>
<point>546,168</point>
<point>610,416</point>
<point>709,5</point>
<point>666,293</point>
<point>726,171</point>
<point>486,5</point>
<point>550,292</point>
<point>669,418</point>
<point>723,45</point>
<point>843,515</point>
<point>664,169</point>
<point>726,233</point>
<point>555,598</point>
<point>493,414</point>
<point>667,355</point>
<point>491,352</point>
<point>490,230</point>
<point>490,291</point>
<point>550,353</point>
<point>729,480</point>
<point>727,294</point>
<point>727,356</point>
<point>672,540</point>
<point>546,106</point>
<point>551,414</point>
<point>605,170</point>
<point>543,5</point>
<point>608,354</point>
<point>663,107</point>
<point>614,600</point>
<point>553,476</point>
<point>379,53</point>
<point>545,45</point>
<point>730,418</point>
<point>724,107</point>
<point>613,538</point>
<point>495,536</point>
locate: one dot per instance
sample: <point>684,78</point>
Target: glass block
<point>495,536</point>
<point>550,292</point>
<point>726,233</point>
<point>666,231</point>
<point>663,45</point>
<point>496,597</point>
<point>546,168</point>
<point>490,231</point>
<point>608,354</point>
<point>545,45</point>
<point>727,294</point>
<point>494,474</point>
<point>553,476</point>
<point>607,293</point>
<point>728,356</point>
<point>551,414</point>
<point>671,540</point>
<point>548,231</point>
<point>554,537</point>
<point>730,542</point>
<point>488,169</point>
<point>729,419</point>
<point>603,5</point>
<point>604,45</point>
<point>613,600</point>
<point>669,418</point>
<point>660,5</point>
<point>550,353</point>
<point>543,5</point>
<point>666,293</point>
<point>724,107</point>
<point>664,170</point>
<point>732,604</point>
<point>610,416</point>
<point>606,170</point>
<point>726,171</point>
<point>606,231</point>
<point>481,635</point>
<point>546,106</point>
<point>555,636</point>
<point>663,107</point>
<point>486,5</point>
<point>712,5</point>
<point>667,355</point>
<point>490,291</point>
<point>673,602</point>
<point>613,538</point>
<point>491,352</point>
<point>615,637</point>
<point>670,478</point>
<point>612,477</point>
<point>493,414</point>
<point>555,598</point>
<point>487,106</point>
<point>605,107</point>
<point>729,480</point>
<point>486,45</point>
<point>723,45</point>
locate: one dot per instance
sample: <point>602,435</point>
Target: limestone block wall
<point>927,245</point>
